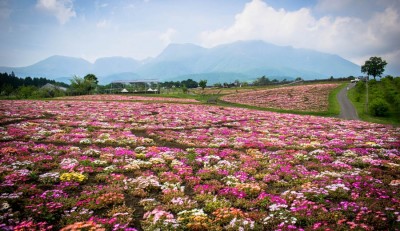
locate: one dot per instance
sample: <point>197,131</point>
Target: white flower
<point>5,206</point>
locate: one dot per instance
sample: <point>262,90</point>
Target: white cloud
<point>103,24</point>
<point>166,37</point>
<point>62,9</point>
<point>348,36</point>
<point>100,5</point>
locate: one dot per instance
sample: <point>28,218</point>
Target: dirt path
<point>347,110</point>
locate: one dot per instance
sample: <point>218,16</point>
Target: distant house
<point>124,91</point>
<point>50,86</point>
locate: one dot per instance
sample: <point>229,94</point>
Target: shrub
<point>397,102</point>
<point>360,87</point>
<point>390,95</point>
<point>379,107</point>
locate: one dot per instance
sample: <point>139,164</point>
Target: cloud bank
<point>353,37</point>
<point>166,37</point>
<point>62,9</point>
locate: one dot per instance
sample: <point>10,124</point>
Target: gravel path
<point>347,110</point>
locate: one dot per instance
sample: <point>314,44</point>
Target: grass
<point>334,106</point>
<point>359,104</point>
<point>228,104</point>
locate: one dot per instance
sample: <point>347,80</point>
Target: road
<point>347,110</point>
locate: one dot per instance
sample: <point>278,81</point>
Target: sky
<point>32,30</point>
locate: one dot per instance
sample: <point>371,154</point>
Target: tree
<point>91,82</point>
<point>24,92</point>
<point>203,84</point>
<point>218,85</point>
<point>80,86</point>
<point>190,83</point>
<point>375,66</point>
<point>6,89</point>
<point>92,78</point>
<point>262,81</point>
<point>184,89</point>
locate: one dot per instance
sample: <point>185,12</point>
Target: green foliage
<point>15,82</point>
<point>28,87</point>
<point>375,66</point>
<point>190,83</point>
<point>91,78</point>
<point>360,87</point>
<point>48,93</point>
<point>334,106</point>
<point>82,86</point>
<point>25,92</point>
<point>203,84</point>
<point>379,107</point>
<point>184,89</point>
<point>384,97</point>
<point>262,81</point>
<point>171,84</point>
<point>6,89</point>
<point>91,81</point>
<point>219,85</point>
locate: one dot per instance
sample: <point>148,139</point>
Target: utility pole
<point>366,102</point>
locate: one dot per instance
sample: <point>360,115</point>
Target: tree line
<point>15,82</point>
<point>13,86</point>
<point>33,87</point>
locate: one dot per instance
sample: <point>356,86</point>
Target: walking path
<point>347,110</point>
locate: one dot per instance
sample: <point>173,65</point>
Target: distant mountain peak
<point>183,50</point>
<point>245,59</point>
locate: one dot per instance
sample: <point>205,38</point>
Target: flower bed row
<point>300,98</point>
<point>127,98</point>
<point>139,166</point>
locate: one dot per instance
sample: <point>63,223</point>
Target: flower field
<point>118,165</point>
<point>126,98</point>
<point>313,98</point>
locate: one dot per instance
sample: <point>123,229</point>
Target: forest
<point>13,86</point>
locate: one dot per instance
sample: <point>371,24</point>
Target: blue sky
<point>32,30</point>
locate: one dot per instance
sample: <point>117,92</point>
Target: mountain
<point>53,67</point>
<point>63,68</point>
<point>248,58</point>
<point>242,60</point>
<point>112,65</point>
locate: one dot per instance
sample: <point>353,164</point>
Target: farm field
<point>312,98</point>
<point>85,163</point>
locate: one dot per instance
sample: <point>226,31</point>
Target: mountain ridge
<point>246,59</point>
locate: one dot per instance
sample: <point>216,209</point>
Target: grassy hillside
<point>383,100</point>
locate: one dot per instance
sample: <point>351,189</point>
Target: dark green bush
<point>379,107</point>
<point>390,95</point>
<point>397,102</point>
